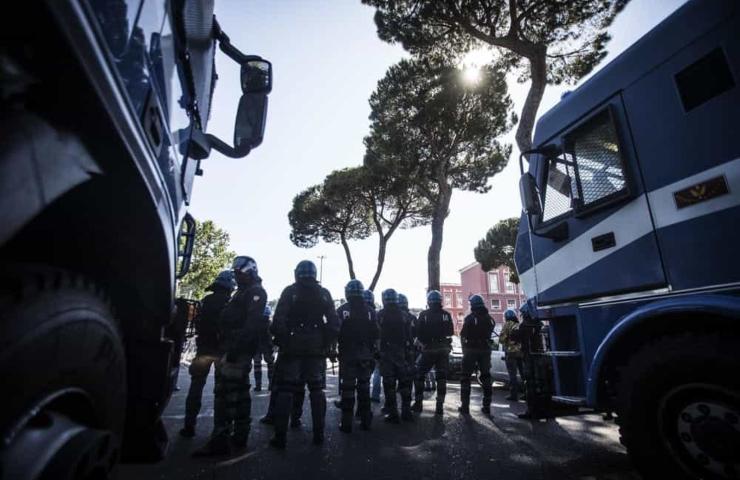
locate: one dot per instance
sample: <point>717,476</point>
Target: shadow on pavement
<point>449,447</point>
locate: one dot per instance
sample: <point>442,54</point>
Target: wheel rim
<point>701,426</point>
<point>51,445</point>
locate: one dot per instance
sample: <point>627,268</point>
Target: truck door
<point>595,237</point>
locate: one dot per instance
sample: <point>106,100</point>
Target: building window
<point>510,287</point>
<point>495,304</point>
<point>459,297</point>
<point>511,303</point>
<point>493,282</point>
<point>448,299</point>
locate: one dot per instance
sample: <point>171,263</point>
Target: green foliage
<point>438,133</point>
<point>497,248</point>
<point>432,128</point>
<point>332,211</point>
<point>560,41</point>
<point>211,255</point>
<point>353,203</point>
<point>571,32</point>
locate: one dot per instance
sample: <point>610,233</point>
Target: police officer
<point>206,342</point>
<point>403,304</point>
<point>264,351</point>
<point>375,379</point>
<point>395,345</point>
<point>434,332</point>
<point>305,325</point>
<point>537,367</point>
<point>241,322</point>
<point>513,352</point>
<point>475,337</point>
<point>358,337</point>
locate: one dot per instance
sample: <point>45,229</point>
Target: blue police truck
<point>629,245</point>
<point>104,109</point>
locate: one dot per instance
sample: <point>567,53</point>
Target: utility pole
<point>321,266</point>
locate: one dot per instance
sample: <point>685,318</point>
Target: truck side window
<point>595,150</point>
<point>560,190</point>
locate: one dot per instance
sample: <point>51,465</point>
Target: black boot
<point>393,417</point>
<point>487,402</point>
<point>267,419</point>
<point>464,409</point>
<point>278,441</point>
<point>345,424</point>
<point>366,419</point>
<point>406,414</point>
<point>318,415</point>
<point>440,410</point>
<point>418,405</point>
<point>188,431</point>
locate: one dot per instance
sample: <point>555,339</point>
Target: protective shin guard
<point>318,412</point>
<point>419,390</point>
<point>283,406</point>
<point>465,394</point>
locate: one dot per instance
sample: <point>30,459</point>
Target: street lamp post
<point>321,267</point>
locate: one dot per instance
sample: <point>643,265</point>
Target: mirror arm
<point>226,149</point>
<point>224,43</point>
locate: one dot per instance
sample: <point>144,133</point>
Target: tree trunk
<point>538,72</point>
<point>435,248</point>
<point>382,242</point>
<point>350,263</point>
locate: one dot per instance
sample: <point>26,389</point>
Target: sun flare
<point>472,63</point>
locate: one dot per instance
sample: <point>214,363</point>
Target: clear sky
<point>327,59</point>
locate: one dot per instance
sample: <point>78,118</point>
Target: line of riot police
<point>233,328</point>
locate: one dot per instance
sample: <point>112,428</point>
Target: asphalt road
<point>451,447</point>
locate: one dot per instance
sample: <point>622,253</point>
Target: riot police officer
<point>241,322</point>
<point>434,332</point>
<point>375,378</point>
<point>403,304</point>
<point>358,337</point>
<point>264,351</point>
<point>305,325</point>
<point>475,337</point>
<point>395,345</point>
<point>509,338</point>
<point>206,342</point>
<point>537,367</point>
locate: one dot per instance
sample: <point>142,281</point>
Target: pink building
<point>454,302</point>
<point>495,288</point>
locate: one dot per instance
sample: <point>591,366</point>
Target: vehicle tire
<point>62,367</point>
<point>679,407</point>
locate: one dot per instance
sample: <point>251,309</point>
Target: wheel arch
<point>673,315</point>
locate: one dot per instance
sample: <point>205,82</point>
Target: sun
<point>472,63</point>
<point>471,75</point>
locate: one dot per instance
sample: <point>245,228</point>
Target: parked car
<point>456,356</point>
<point>498,365</point>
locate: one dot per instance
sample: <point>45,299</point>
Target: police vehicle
<point>104,106</point>
<point>628,247</point>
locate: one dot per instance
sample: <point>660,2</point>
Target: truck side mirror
<point>533,208</point>
<point>249,128</point>
<point>528,192</point>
